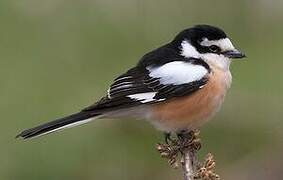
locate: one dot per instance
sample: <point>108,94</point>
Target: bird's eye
<point>214,48</point>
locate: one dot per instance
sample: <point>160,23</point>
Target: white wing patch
<point>178,72</point>
<point>143,97</point>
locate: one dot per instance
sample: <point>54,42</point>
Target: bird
<point>176,87</point>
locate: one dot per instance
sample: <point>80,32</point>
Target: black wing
<point>136,81</point>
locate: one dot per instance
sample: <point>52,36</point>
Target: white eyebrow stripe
<point>224,44</point>
<point>178,72</point>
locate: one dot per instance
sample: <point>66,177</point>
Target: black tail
<point>58,124</point>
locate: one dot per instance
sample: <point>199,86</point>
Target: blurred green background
<point>58,56</point>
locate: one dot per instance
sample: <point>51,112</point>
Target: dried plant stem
<point>186,146</point>
<point>188,162</point>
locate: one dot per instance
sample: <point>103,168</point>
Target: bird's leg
<point>167,138</point>
<point>169,149</point>
<point>189,140</point>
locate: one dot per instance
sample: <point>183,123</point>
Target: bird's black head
<point>202,40</point>
<point>199,32</point>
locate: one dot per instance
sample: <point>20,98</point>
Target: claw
<point>173,147</point>
<point>167,138</point>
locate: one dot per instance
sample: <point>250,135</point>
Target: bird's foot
<point>205,171</point>
<point>168,138</point>
<point>169,150</point>
<point>174,146</point>
<point>189,141</point>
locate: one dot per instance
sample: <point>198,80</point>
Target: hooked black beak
<point>235,54</point>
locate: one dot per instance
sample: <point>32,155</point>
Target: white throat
<point>216,61</point>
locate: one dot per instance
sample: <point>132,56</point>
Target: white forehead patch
<point>225,44</point>
<point>178,72</point>
<point>187,50</point>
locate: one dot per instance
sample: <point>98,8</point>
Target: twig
<point>188,164</point>
<point>190,145</point>
<point>187,145</point>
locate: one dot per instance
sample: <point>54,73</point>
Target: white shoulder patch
<point>178,72</point>
<point>143,97</point>
<point>188,50</point>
